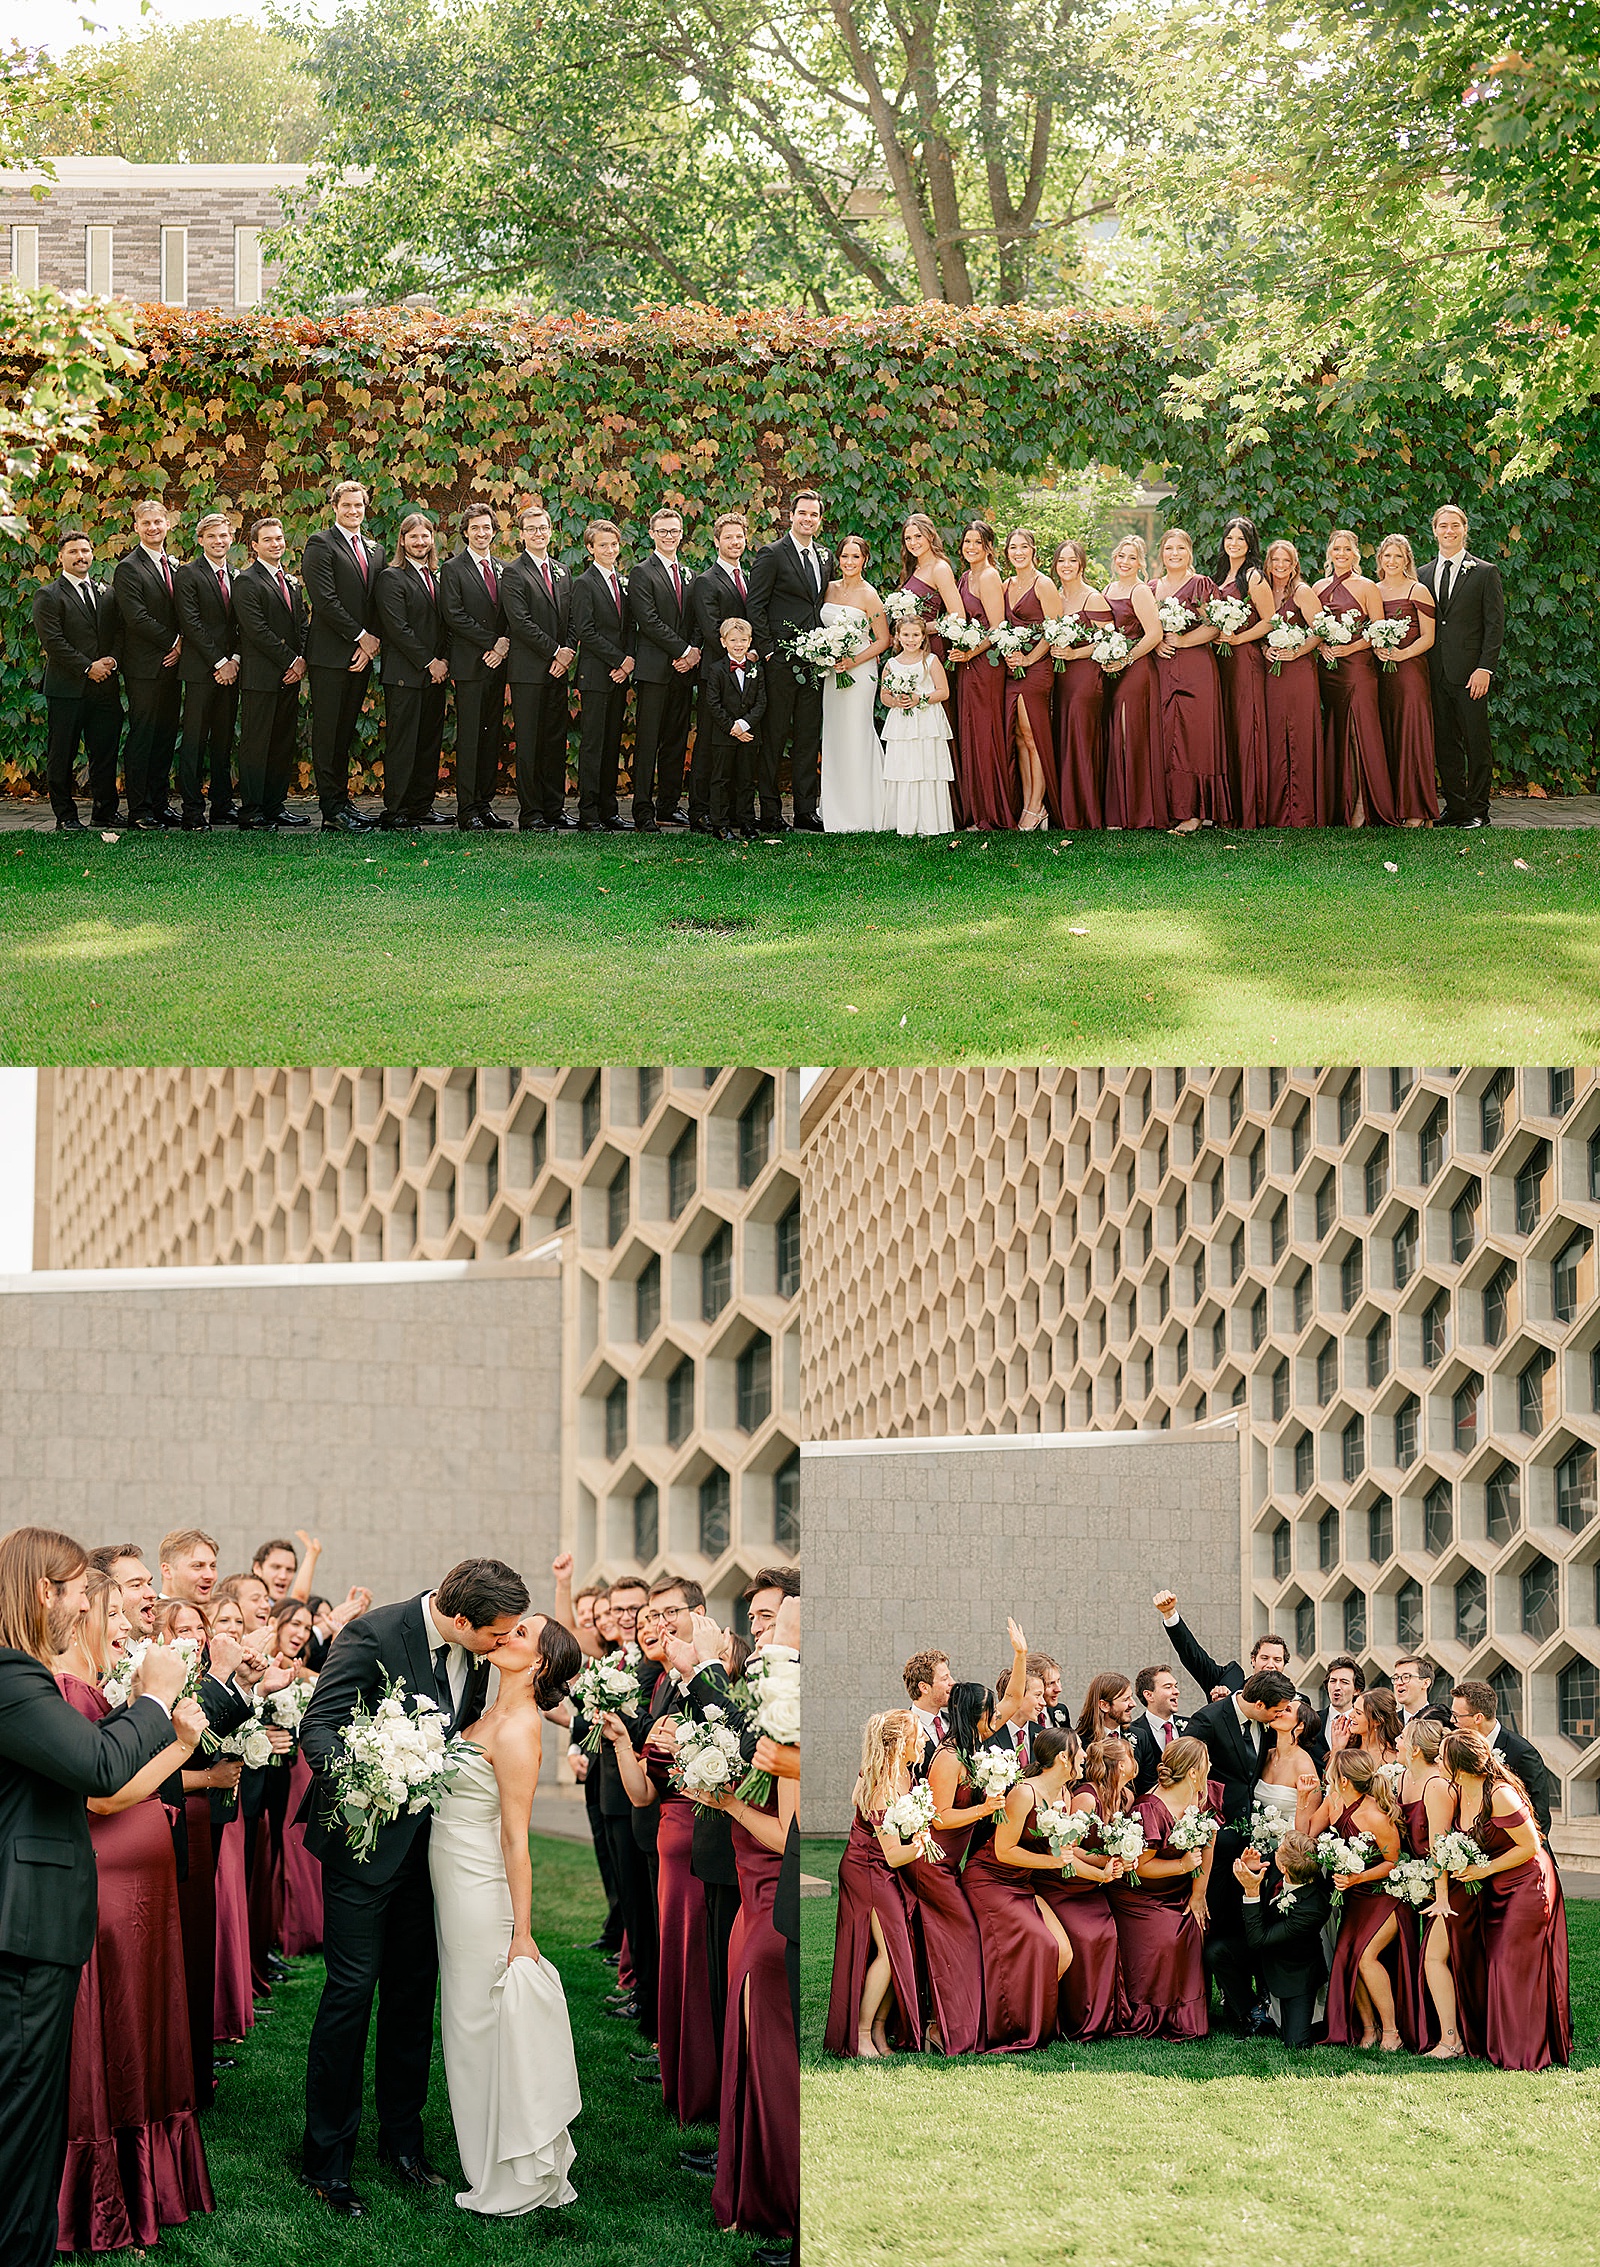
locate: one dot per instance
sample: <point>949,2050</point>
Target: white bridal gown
<point>852,756</point>
<point>508,2059</point>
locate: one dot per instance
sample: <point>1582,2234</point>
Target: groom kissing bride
<point>442,1895</point>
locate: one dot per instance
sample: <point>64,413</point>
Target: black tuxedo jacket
<point>1056,1718</point>
<point>603,640</point>
<point>386,1639</point>
<point>664,628</point>
<point>410,625</point>
<point>782,598</point>
<point>711,1851</point>
<point>150,626</point>
<point>1472,626</point>
<point>614,1799</point>
<point>272,636</point>
<point>537,620</point>
<point>1522,1757</point>
<point>1194,1657</point>
<point>728,703</point>
<point>343,604</point>
<point>51,1760</point>
<point>1147,1750</point>
<point>1005,1738</point>
<point>206,619</point>
<point>72,641</point>
<point>1286,1949</point>
<point>715,600</point>
<point>475,621</point>
<point>1235,1759</point>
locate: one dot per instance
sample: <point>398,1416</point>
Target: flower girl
<point>917,770</point>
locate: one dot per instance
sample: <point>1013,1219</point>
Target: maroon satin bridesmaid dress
<point>691,2057</point>
<point>1080,701</point>
<point>1162,1949</point>
<point>1030,693</point>
<point>945,1931</point>
<point>932,608</point>
<point>1364,1912</point>
<point>868,1884</point>
<point>1527,2015</point>
<point>1091,2003</point>
<point>1244,703</point>
<point>301,1929</point>
<point>758,2138</point>
<point>1020,1993</point>
<point>1135,792</point>
<point>1297,779</point>
<point>1363,793</point>
<point>235,2000</point>
<point>1194,736</point>
<point>986,770</point>
<point>1414,1844</point>
<point>1405,705</point>
<point>135,2161</point>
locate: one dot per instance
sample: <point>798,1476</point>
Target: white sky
<point>18,1090</point>
<point>59,24</point>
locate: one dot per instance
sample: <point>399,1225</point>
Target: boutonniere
<point>1286,1898</point>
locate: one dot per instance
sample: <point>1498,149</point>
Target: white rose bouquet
<point>1337,629</point>
<point>957,631</point>
<point>1268,1826</point>
<point>1230,616</point>
<point>910,1816</point>
<point>1061,636</point>
<point>772,1683</point>
<point>609,1683</point>
<point>1454,1850</point>
<point>250,1744</point>
<point>117,1689</point>
<point>1410,1882</point>
<point>1176,617</point>
<point>1008,642</point>
<point>994,1771</point>
<point>908,606</point>
<point>1280,642</point>
<point>1336,1855</point>
<point>1063,1828</point>
<point>1111,647</point>
<point>1122,1837</point>
<point>1386,638</point>
<point>286,1707</point>
<point>1194,1828</point>
<point>394,1759</point>
<point>904,681</point>
<point>708,1758</point>
<point>828,647</point>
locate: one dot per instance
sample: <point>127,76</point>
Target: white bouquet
<point>609,1683</point>
<point>708,1758</point>
<point>1280,642</point>
<point>1454,1850</point>
<point>1336,1855</point>
<point>1175,617</point>
<point>1410,1882</point>
<point>1268,1826</point>
<point>1122,1837</point>
<point>394,1759</point>
<point>1194,1828</point>
<point>1387,637</point>
<point>907,606</point>
<point>772,1684</point>
<point>1008,642</point>
<point>1111,647</point>
<point>1394,1772</point>
<point>118,1689</point>
<point>827,648</point>
<point>1230,616</point>
<point>910,1816</point>
<point>957,631</point>
<point>1336,629</point>
<point>287,1707</point>
<point>994,1771</point>
<point>1063,1828</point>
<point>904,681</point>
<point>250,1744</point>
<point>1061,636</point>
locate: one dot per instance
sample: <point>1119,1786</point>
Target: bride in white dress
<point>508,2059</point>
<point>852,755</point>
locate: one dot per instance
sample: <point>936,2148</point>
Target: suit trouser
<point>1462,750</point>
<point>722,1910</point>
<point>793,723</point>
<point>1227,1947</point>
<point>632,1876</point>
<point>731,783</point>
<point>1295,2012</point>
<point>95,719</point>
<point>662,716</point>
<point>268,723</point>
<point>36,2003</point>
<point>376,1937</point>
<point>413,734</point>
<point>599,747</point>
<point>611,1934</point>
<point>541,718</point>
<point>154,707</point>
<point>206,748</point>
<point>480,722</point>
<point>336,698</point>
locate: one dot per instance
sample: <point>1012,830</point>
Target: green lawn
<point>635,2207</point>
<point>1185,2156</point>
<point>1282,947</point>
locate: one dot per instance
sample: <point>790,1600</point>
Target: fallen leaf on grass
<point>111,838</point>
<point>850,1010</point>
<point>1077,932</point>
<point>1390,867</point>
<point>1523,863</point>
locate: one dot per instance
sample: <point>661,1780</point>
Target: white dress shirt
<point>1165,1730</point>
<point>458,1661</point>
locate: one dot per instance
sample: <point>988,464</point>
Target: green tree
<point>222,92</point>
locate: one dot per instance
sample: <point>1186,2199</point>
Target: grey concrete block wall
<point>409,1415</point>
<point>933,1542</point>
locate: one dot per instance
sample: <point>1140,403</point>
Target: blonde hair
<point>883,1741</point>
<point>1281,543</point>
<point>913,622</point>
<point>1122,544</point>
<point>94,1631</point>
<point>1362,1774</point>
<point>183,1539</point>
<point>1426,1735</point>
<point>1183,535</point>
<point>1405,545</point>
<point>30,1556</point>
<point>1342,535</point>
<point>1297,1857</point>
<point>1184,1758</point>
<point>733,622</point>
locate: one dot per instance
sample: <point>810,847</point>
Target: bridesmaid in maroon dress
<point>1160,1922</point>
<point>1527,2016</point>
<point>943,1919</point>
<point>1372,1987</point>
<point>1080,695</point>
<point>1025,1948</point>
<point>1031,600</point>
<point>929,576</point>
<point>1240,574</point>
<point>989,791</point>
<point>1194,737</point>
<point>1297,772</point>
<point>1404,701</point>
<point>1090,2004</point>
<point>1364,793</point>
<point>874,1963</point>
<point>1135,783</point>
<point>758,2129</point>
<point>1427,1810</point>
<point>297,1901</point>
<point>135,2161</point>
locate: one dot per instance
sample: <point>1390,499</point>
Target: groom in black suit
<point>1238,1735</point>
<point>378,1933</point>
<point>787,582</point>
<point>1461,664</point>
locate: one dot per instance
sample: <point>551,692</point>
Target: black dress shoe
<point>702,2161</point>
<point>597,1944</point>
<point>779,825</point>
<point>224,2062</point>
<point>727,834</point>
<point>431,819</point>
<point>561,824</point>
<point>103,818</point>
<point>779,2254</point>
<point>673,819</point>
<point>612,1959</point>
<point>533,826</point>
<point>225,817</point>
<point>146,826</point>
<point>74,825</point>
<point>474,825</point>
<point>616,826</point>
<point>195,822</point>
<point>646,826</point>
<point>643,2054</point>
<point>586,826</point>
<point>701,826</point>
<point>415,2171</point>
<point>628,2012</point>
<point>338,2195</point>
<point>808,826</point>
<point>169,817</point>
<point>1468,825</point>
<point>288,818</point>
<point>495,824</point>
<point>750,834</point>
<point>346,820</point>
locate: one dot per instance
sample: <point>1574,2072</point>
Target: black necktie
<point>441,1679</point>
<point>1448,580</point>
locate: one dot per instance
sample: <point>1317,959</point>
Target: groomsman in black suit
<point>1475,1707</point>
<point>721,591</point>
<point>667,658</point>
<point>75,620</point>
<point>602,627</point>
<point>927,1679</point>
<point>209,668</point>
<point>1285,1908</point>
<point>1461,664</point>
<point>469,600</point>
<point>416,676</point>
<point>1238,1733</point>
<point>787,582</point>
<point>269,608</point>
<point>1157,1724</point>
<point>1215,1677</point>
<point>736,698</point>
<point>536,591</point>
<point>145,583</point>
<point>340,567</point>
<point>1016,1736</point>
<point>1054,1715</point>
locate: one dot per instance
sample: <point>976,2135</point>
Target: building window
<point>681,1173</point>
<point>1305,1463</point>
<point>1376,1176</point>
<point>1540,1600</point>
<point>1235,1104</point>
<point>1236,1257</point>
<point>617,1419</point>
<point>97,262</point>
<point>716,1524</point>
<point>1563,1085</point>
<point>1302,1300</point>
<point>1408,1613</point>
<point>1594,1165</point>
<point>646,1523</point>
<point>716,1274</point>
<point>564,1213</point>
<point>1578,1686</point>
<point>1163,1296</point>
<point>1380,1531</point>
<point>647,1300</point>
<point>1350,1278</point>
<point>1280,1231</point>
<point>1508,1697</point>
<point>25,256</point>
<point>1280,1391</point>
<point>1277,1079</point>
<point>1198,1276</point>
<point>1436,1331</point>
<point>680,1403</point>
<point>786,1506</point>
<point>1502,1503</point>
<point>1575,1490</point>
<point>1378,1352</point>
<point>755,1134</point>
<point>1400,1085</point>
<point>617,1206</point>
<point>1438,1520</point>
<point>1325,1205</point>
<point>1258,1322</point>
<point>1530,1394</point>
<point>1466,1411</point>
<point>650,1083</point>
<point>247,267</point>
<point>1327,1373</point>
<point>1464,1222</point>
<point>1497,1304</point>
<point>1355,1622</point>
<point>1405,1251</point>
<point>1472,1609</point>
<point>1282,1550</point>
<point>1432,1143</point>
<point>1405,1432</point>
<point>1349,1105</point>
<point>1327,1540</point>
<point>1492,1109</point>
<point>1565,1295</point>
<point>1163,1159</point>
<point>1305,1629</point>
<point>1183,1356</point>
<point>175,267</point>
<point>1219,1343</point>
<point>788,1271</point>
<point>1353,1448</point>
<point>1299,1140</point>
<point>1530,1188</point>
<point>754,1405</point>
<point>1258,1166</point>
<point>589,1114</point>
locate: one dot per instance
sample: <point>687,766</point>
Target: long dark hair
<point>560,1658</point>
<point>964,1711</point>
<point>1250,565</point>
<point>1103,1760</point>
<point>1048,1748</point>
<point>1103,1687</point>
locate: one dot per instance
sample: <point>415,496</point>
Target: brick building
<point>185,235</point>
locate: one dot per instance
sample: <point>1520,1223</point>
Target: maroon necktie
<point>549,586</point>
<point>616,594</point>
<point>677,588</point>
<point>222,582</point>
<point>166,572</point>
<point>283,586</point>
<point>938,1726</point>
<point>738,583</point>
<point>360,550</point>
<point>428,579</point>
<point>1166,1733</point>
<point>489,583</point>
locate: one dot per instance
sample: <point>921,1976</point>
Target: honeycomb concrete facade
<point>1389,1273</point>
<point>675,1192</point>
<point>933,1542</point>
<point>163,233</point>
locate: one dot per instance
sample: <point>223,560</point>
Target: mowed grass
<point>635,2206</point>
<point>1202,2155</point>
<point>1291,947</point>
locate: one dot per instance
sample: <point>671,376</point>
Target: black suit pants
<point>541,718</point>
<point>36,2003</point>
<point>1226,1938</point>
<point>480,724</point>
<point>268,723</point>
<point>413,733</point>
<point>793,724</point>
<point>1295,2011</point>
<point>376,1937</point>
<point>336,698</point>
<point>154,707</point>
<point>661,719</point>
<point>611,1934</point>
<point>722,1910</point>
<point>601,711</point>
<point>632,1875</point>
<point>1462,751</point>
<point>206,749</point>
<point>93,719</point>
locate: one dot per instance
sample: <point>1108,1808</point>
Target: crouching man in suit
<point>1285,1912</point>
<point>736,695</point>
